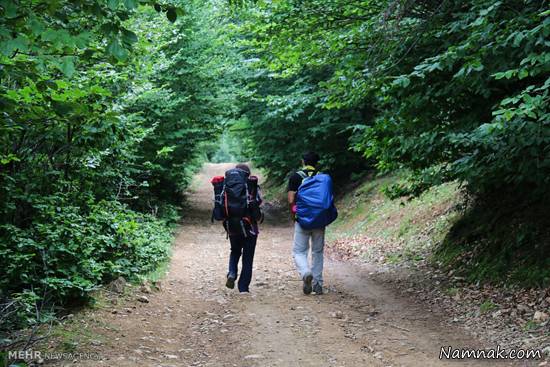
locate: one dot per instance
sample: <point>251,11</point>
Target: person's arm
<point>291,198</point>
<point>293,184</point>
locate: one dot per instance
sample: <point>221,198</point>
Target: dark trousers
<point>245,246</point>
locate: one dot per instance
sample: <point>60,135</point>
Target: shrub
<point>68,251</point>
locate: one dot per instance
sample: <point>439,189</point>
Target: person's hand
<point>292,212</point>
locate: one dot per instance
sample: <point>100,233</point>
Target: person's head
<point>311,159</point>
<point>244,167</point>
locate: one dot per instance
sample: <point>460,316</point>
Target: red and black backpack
<point>236,197</point>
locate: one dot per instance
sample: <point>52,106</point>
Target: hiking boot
<point>230,282</point>
<point>318,288</point>
<point>307,283</point>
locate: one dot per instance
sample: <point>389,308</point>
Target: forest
<point>109,107</point>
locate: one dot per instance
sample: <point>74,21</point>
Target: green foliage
<point>67,252</point>
<point>450,90</point>
<point>187,96</point>
<point>227,149</point>
<point>282,121</point>
<point>476,106</point>
<point>106,109</point>
<point>282,114</point>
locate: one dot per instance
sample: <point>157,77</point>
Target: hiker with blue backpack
<point>311,201</point>
<point>237,201</point>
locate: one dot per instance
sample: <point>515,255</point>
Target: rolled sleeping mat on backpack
<point>253,201</point>
<point>218,211</point>
<point>252,186</point>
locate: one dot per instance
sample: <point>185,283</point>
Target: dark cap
<point>311,158</point>
<point>244,167</point>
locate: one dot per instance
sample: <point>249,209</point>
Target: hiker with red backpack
<point>237,201</point>
<point>311,202</point>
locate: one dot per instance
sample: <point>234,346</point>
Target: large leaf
<point>117,50</point>
<point>131,4</point>
<point>67,66</point>
<point>129,37</point>
<point>112,4</point>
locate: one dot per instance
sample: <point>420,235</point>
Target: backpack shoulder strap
<point>302,174</point>
<point>310,171</point>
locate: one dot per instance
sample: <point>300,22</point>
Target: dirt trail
<point>195,321</point>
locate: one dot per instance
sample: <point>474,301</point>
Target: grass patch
<point>159,273</point>
<point>451,291</point>
<point>530,325</point>
<point>410,226</point>
<point>394,258</point>
<point>500,241</point>
<point>487,306</point>
<point>72,337</point>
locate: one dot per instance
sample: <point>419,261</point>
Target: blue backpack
<point>315,202</point>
